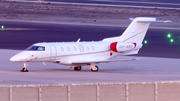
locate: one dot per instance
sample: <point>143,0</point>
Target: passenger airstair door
<point>53,52</point>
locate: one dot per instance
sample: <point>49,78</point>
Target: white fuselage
<point>66,53</point>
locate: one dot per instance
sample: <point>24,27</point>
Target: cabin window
<point>68,49</point>
<point>35,48</point>
<point>74,48</point>
<point>92,47</point>
<point>81,48</point>
<point>62,49</point>
<point>87,48</point>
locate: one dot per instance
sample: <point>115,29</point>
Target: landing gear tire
<point>77,68</point>
<point>95,70</point>
<point>24,70</point>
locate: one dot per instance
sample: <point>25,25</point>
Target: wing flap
<point>103,61</point>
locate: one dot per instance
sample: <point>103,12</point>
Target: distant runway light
<point>172,40</point>
<point>145,41</point>
<point>2,27</point>
<point>168,35</point>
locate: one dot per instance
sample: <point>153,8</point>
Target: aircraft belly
<point>67,60</point>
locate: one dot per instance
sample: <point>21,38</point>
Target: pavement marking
<point>137,2</point>
<point>19,29</point>
<point>91,4</point>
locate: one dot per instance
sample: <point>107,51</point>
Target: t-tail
<point>133,35</point>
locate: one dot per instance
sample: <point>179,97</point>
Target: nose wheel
<point>24,69</point>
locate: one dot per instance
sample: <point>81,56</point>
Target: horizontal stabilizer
<point>142,20</point>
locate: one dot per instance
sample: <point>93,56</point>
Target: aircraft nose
<point>17,58</point>
<point>20,57</point>
<point>14,58</point>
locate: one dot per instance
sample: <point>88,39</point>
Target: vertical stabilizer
<point>135,32</point>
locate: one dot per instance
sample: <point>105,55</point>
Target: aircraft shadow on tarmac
<point>103,70</point>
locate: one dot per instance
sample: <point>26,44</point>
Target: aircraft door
<point>53,52</point>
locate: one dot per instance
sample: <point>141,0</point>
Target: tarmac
<point>146,69</point>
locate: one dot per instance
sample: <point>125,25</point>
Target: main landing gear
<point>95,70</point>
<point>24,69</point>
<point>77,68</point>
<point>93,67</point>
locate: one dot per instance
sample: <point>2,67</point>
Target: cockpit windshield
<point>36,48</point>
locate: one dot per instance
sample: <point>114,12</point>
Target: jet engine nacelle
<point>122,46</point>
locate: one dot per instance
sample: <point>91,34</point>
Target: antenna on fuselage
<point>78,40</point>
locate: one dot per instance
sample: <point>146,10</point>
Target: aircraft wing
<point>103,61</point>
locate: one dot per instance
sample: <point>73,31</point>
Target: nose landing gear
<point>24,69</point>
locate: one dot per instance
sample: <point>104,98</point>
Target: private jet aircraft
<point>77,54</point>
